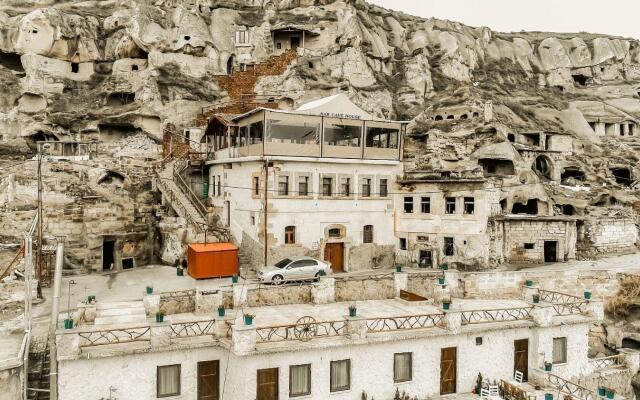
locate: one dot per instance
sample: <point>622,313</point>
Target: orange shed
<point>212,260</point>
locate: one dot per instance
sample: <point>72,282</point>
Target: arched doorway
<point>230,64</point>
<point>543,166</point>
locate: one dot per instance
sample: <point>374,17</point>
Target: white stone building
<point>330,168</point>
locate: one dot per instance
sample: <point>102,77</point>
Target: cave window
<point>476,115</point>
<point>34,31</point>
<point>450,117</point>
<point>580,80</point>
<point>75,67</point>
<point>533,139</point>
<point>573,173</point>
<point>438,118</point>
<point>529,246</point>
<point>464,116</point>
<point>111,177</point>
<point>622,176</point>
<point>120,98</point>
<point>529,208</point>
<point>310,65</point>
<point>503,205</point>
<point>134,67</point>
<point>187,37</point>
<point>128,263</point>
<point>568,209</point>
<point>11,61</point>
<point>593,126</point>
<point>511,137</point>
<point>492,167</point>
<point>542,166</point>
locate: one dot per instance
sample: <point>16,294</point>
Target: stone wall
<point>535,232</point>
<point>10,384</point>
<point>609,235</point>
<point>354,289</point>
<point>178,302</point>
<point>270,296</point>
<point>620,380</point>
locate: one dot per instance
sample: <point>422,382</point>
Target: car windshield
<point>282,263</point>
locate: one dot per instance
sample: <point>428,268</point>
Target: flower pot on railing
<point>611,394</point>
<point>444,267</point>
<point>248,319</point>
<point>234,279</point>
<point>587,295</point>
<point>441,280</point>
<point>536,298</point>
<point>398,268</point>
<point>221,311</point>
<point>353,311</point>
<point>68,323</point>
<point>548,396</point>
<point>602,391</point>
<point>528,283</point>
<point>446,305</point>
<point>179,271</point>
<point>548,366</point>
<point>149,289</point>
<point>159,317</point>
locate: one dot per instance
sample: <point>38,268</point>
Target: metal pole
<point>28,271</point>
<point>39,257</point>
<point>266,213</point>
<point>53,325</point>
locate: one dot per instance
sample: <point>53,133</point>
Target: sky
<point>611,17</point>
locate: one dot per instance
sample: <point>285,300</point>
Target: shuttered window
<point>367,234</point>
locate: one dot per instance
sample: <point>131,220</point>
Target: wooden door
<point>334,253</point>
<point>209,380</point>
<point>550,251</point>
<point>267,384</point>
<point>521,357</point>
<point>448,370</point>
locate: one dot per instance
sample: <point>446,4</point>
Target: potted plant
<point>548,366</point>
<point>548,396</point>
<point>479,384</point>
<point>91,299</point>
<point>587,295</point>
<point>221,311</point>
<point>248,319</point>
<point>444,267</point>
<point>322,272</point>
<point>68,323</point>
<point>611,394</point>
<point>441,280</point>
<point>446,304</point>
<point>536,298</point>
<point>179,271</point>
<point>159,317</point>
<point>234,279</point>
<point>149,289</point>
<point>528,283</point>
<point>602,391</point>
<point>353,311</point>
<point>398,268</point>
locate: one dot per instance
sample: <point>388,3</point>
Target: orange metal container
<point>212,260</point>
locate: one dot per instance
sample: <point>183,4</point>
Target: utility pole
<point>39,254</point>
<point>266,213</point>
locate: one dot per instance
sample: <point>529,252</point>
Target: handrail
<point>179,167</point>
<point>571,388</point>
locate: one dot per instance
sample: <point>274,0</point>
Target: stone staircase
<point>39,368</point>
<point>120,313</point>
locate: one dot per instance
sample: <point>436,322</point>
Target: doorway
<point>209,380</point>
<point>295,42</point>
<point>267,388</point>
<point>334,253</point>
<point>550,251</point>
<point>521,358</point>
<point>108,258</point>
<point>448,370</point>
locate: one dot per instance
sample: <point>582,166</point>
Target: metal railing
<point>389,324</point>
<point>616,361</point>
<point>114,336</point>
<point>496,315</point>
<point>579,307</point>
<point>570,388</point>
<point>193,329</point>
<point>303,330</point>
<point>557,297</point>
<point>180,166</point>
<point>199,227</point>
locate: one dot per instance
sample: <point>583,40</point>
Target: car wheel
<point>277,280</point>
<point>317,277</point>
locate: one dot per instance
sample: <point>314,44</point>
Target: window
<point>402,367</point>
<point>303,263</point>
<point>134,67</point>
<point>256,186</point>
<point>327,187</point>
<point>219,185</point>
<point>283,185</point>
<point>345,187</point>
<point>339,132</point>
<point>366,187</point>
<point>75,67</point>
<point>408,204</point>
<point>242,37</point>
<point>423,238</point>
<point>529,246</point>
<point>279,46</point>
<point>425,205</point>
<point>334,232</point>
<point>450,205</point>
<point>479,341</point>
<point>384,189</point>
<point>290,235</point>
<point>367,234</point>
<point>403,243</point>
<point>469,205</point>
<point>426,259</point>
<point>299,380</point>
<point>448,246</point>
<point>340,375</point>
<point>385,138</point>
<point>559,350</point>
<point>168,380</point>
<point>303,186</point>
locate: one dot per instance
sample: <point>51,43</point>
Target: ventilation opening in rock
<point>580,80</point>
<point>75,67</point>
<point>622,176</point>
<point>476,115</point>
<point>310,65</point>
<point>531,139</point>
<point>438,118</point>
<point>134,67</point>
<point>542,167</point>
<point>464,116</point>
<point>630,343</point>
<point>187,37</point>
<point>529,208</point>
<point>511,137</point>
<point>110,133</point>
<point>572,176</point>
<point>568,209</point>
<point>491,167</point>
<point>11,61</point>
<point>111,178</point>
<point>120,99</point>
<point>450,117</point>
<point>128,263</point>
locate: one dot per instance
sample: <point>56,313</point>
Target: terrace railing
<point>304,330</point>
<point>389,324</point>
<point>617,361</point>
<point>193,329</point>
<point>563,303</point>
<point>496,315</point>
<point>570,388</point>
<point>114,336</point>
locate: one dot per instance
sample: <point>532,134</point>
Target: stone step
<point>121,320</point>
<point>115,312</point>
<point>119,304</point>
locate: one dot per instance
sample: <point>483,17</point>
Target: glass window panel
<point>256,131</point>
<point>168,378</point>
<point>340,375</point>
<point>342,133</point>
<point>284,128</point>
<point>299,380</point>
<point>385,138</point>
<point>402,367</point>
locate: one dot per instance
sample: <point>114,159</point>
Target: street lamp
<point>71,282</point>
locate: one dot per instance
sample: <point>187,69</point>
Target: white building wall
<point>134,375</point>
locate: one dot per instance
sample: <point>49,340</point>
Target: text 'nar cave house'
<point>326,171</point>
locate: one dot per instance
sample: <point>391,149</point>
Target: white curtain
<point>559,350</point>
<point>169,380</point>
<point>300,380</point>
<point>340,375</point>
<point>402,367</point>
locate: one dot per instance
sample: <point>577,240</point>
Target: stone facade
<point>608,235</point>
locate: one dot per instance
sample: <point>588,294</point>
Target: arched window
<point>334,232</point>
<point>290,235</point>
<point>367,234</point>
<point>438,118</point>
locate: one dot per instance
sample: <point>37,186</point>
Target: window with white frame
<point>299,380</point>
<point>366,187</point>
<point>283,185</point>
<point>367,234</point>
<point>242,37</point>
<point>168,380</point>
<point>402,367</point>
<point>303,186</point>
<point>340,375</point>
<point>345,187</point>
<point>384,187</point>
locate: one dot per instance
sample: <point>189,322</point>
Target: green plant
<point>479,383</point>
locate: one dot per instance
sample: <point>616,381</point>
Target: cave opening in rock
<point>543,166</point>
<point>111,178</point>
<point>464,116</point>
<point>631,343</point>
<point>568,209</point>
<point>529,208</point>
<point>580,80</point>
<point>572,176</point>
<point>511,137</point>
<point>110,133</point>
<point>531,139</point>
<point>450,117</point>
<point>120,99</point>
<point>11,61</point>
<point>622,176</point>
<point>493,167</point>
<point>75,67</point>
<point>230,63</point>
<point>438,118</point>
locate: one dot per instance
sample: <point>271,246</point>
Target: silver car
<point>294,269</point>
